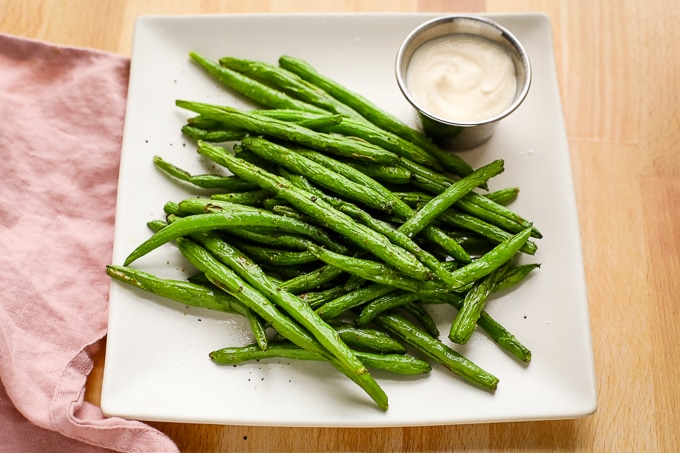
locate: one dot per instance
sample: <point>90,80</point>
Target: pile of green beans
<point>336,229</point>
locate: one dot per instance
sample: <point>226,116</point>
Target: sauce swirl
<point>462,78</point>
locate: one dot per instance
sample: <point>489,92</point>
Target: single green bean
<point>249,198</point>
<point>437,350</point>
<point>229,183</point>
<point>491,260</point>
<point>312,279</point>
<point>368,340</point>
<point>466,319</point>
<point>353,299</point>
<point>384,303</point>
<point>503,196</point>
<point>394,363</point>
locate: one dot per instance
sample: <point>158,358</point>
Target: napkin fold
<point>61,126</point>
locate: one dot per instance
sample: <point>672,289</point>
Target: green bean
<point>493,328</point>
<point>503,196</point>
<point>230,183</point>
<point>318,298</point>
<point>465,321</point>
<point>353,299</point>
<point>299,162</point>
<point>257,124</point>
<point>453,193</point>
<point>342,224</point>
<point>312,279</point>
<point>384,228</point>
<point>189,294</point>
<point>384,303</point>
<point>375,189</point>
<point>229,281</point>
<point>473,224</point>
<point>213,136</point>
<point>276,239</point>
<point>287,82</point>
<point>491,260</point>
<point>383,173</point>
<point>498,209</point>
<point>376,272</point>
<point>251,88</point>
<point>276,257</point>
<point>280,223</point>
<point>215,220</point>
<point>365,131</point>
<point>291,304</point>
<point>394,363</point>
<point>368,340</point>
<point>249,198</point>
<point>437,350</point>
<point>514,276</point>
<point>374,114</point>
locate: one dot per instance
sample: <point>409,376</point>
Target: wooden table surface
<point>619,69</point>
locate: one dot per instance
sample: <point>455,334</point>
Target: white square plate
<point>157,365</point>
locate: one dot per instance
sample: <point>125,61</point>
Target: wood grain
<point>618,65</point>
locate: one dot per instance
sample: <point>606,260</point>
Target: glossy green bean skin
<point>300,162</point>
<point>251,88</point>
<point>289,83</point>
<point>229,281</point>
<point>257,124</point>
<point>216,220</point>
<point>353,299</point>
<point>487,230</point>
<point>249,198</point>
<point>312,279</point>
<point>219,136</point>
<point>291,304</point>
<point>376,272</point>
<point>374,114</point>
<point>316,299</point>
<point>366,131</point>
<point>368,340</point>
<point>341,223</point>
<point>383,304</point>
<point>448,197</point>
<point>377,190</point>
<point>279,223</point>
<point>503,196</point>
<point>437,350</point>
<point>228,183</point>
<point>393,234</point>
<point>466,319</point>
<point>393,363</point>
<point>491,260</point>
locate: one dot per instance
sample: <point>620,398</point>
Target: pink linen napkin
<point>61,123</point>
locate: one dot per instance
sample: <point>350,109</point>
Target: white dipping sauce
<point>462,78</point>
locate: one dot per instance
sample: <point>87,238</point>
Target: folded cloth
<point>61,111</point>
